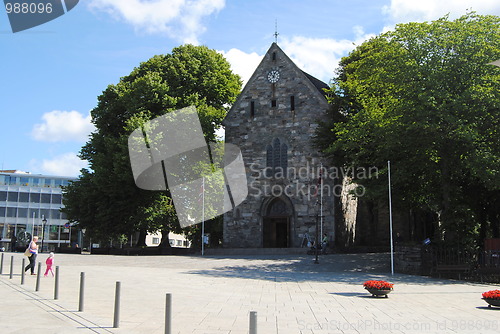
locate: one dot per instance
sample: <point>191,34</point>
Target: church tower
<point>273,122</point>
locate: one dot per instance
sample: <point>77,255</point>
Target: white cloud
<point>67,164</point>
<point>179,19</point>
<point>320,56</point>
<point>401,11</point>
<point>242,63</point>
<point>63,126</point>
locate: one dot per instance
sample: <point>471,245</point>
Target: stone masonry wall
<point>295,128</point>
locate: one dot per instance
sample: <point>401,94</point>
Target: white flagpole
<point>390,215</point>
<point>321,200</point>
<point>203,218</point>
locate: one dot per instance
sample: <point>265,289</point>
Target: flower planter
<point>378,292</point>
<point>378,288</point>
<point>492,297</point>
<point>492,302</point>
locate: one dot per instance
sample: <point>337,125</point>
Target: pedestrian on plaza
<point>324,243</point>
<point>13,242</point>
<point>33,250</point>
<point>49,262</point>
<point>398,238</point>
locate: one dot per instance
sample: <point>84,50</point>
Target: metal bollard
<point>11,267</point>
<point>253,322</point>
<point>23,274</point>
<point>38,272</point>
<point>1,265</point>
<point>116,320</point>
<point>56,284</point>
<point>82,291</point>
<point>168,314</point>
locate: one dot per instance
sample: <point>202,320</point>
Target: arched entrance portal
<point>276,228</point>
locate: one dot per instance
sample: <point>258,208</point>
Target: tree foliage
<point>105,200</point>
<point>424,97</point>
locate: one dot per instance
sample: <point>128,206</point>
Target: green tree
<point>105,199</point>
<point>424,97</point>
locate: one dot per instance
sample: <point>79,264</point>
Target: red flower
<point>493,294</point>
<point>378,285</point>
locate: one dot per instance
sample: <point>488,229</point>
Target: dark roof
<point>320,85</point>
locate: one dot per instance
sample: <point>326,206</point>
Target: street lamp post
<point>44,221</point>
<point>83,238</point>
<point>316,243</point>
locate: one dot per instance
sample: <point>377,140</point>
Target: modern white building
<point>30,205</point>
<point>175,240</point>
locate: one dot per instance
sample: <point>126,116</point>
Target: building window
<point>22,212</point>
<point>156,241</point>
<point>12,197</point>
<point>292,103</point>
<point>274,56</point>
<point>12,212</point>
<point>276,158</point>
<point>34,197</point>
<point>33,213</point>
<point>56,199</point>
<point>273,103</point>
<point>45,213</point>
<point>45,198</point>
<point>11,180</point>
<point>55,214</point>
<point>24,197</point>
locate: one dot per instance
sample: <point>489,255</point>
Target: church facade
<point>273,122</point>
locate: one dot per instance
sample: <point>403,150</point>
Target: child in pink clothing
<point>49,262</point>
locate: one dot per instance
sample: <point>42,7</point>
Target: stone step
<point>255,251</point>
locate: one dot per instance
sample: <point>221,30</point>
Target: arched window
<point>276,158</point>
<point>269,161</point>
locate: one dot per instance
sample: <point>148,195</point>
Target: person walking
<point>324,243</point>
<point>33,250</point>
<point>49,262</point>
<point>13,242</point>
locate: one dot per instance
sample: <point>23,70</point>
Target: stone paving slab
<point>215,294</point>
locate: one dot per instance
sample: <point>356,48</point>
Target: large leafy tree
<point>424,97</point>
<point>105,199</point>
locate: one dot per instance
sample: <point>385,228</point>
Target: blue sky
<point>51,75</point>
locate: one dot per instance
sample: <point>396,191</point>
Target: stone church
<point>273,122</point>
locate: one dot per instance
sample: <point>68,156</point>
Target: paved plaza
<point>215,294</point>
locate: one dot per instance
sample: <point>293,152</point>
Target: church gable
<point>277,84</point>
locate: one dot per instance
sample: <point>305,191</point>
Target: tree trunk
<point>141,239</point>
<point>165,242</point>
<point>444,212</point>
<point>494,214</point>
